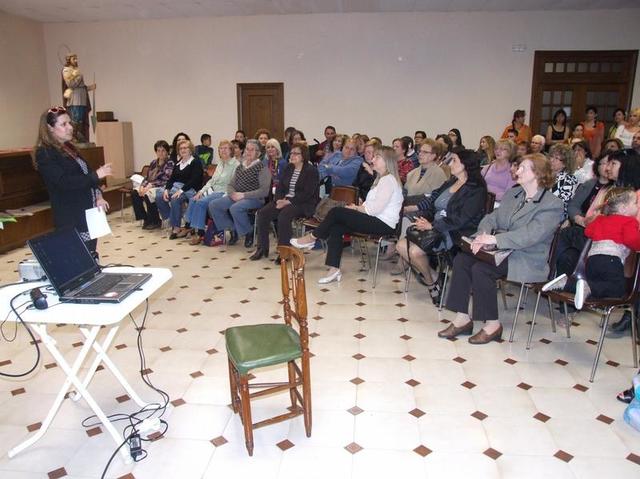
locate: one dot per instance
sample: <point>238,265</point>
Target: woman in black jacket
<point>296,196</point>
<point>185,181</point>
<point>454,210</point>
<point>72,185</point>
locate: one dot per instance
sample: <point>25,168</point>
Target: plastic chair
<point>261,345</point>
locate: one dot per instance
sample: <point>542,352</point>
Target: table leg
<point>101,356</point>
<point>72,377</point>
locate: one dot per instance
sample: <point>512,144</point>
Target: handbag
<point>326,205</point>
<point>427,240</point>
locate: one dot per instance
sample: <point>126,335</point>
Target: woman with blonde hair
<point>378,214</point>
<point>498,173</point>
<point>486,150</point>
<point>273,160</point>
<point>629,128</point>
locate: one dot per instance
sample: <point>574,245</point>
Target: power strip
<point>149,426</point>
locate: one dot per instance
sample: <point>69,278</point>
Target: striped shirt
<point>292,183</point>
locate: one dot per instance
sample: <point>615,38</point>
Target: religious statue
<point>76,98</point>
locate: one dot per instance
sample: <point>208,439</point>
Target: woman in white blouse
<point>379,214</point>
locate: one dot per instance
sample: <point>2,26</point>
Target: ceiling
<point>104,10</point>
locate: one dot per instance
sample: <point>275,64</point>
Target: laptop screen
<point>65,259</point>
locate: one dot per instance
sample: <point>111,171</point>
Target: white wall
<point>458,69</point>
<point>24,87</point>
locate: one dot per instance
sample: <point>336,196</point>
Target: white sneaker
<point>556,283</point>
<point>294,242</point>
<point>582,293</point>
<point>336,276</point>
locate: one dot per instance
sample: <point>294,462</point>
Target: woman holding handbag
<point>525,223</point>
<point>452,210</point>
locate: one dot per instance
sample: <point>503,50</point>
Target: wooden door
<point>261,105</point>
<point>574,79</point>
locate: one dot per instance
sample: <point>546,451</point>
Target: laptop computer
<point>74,273</point>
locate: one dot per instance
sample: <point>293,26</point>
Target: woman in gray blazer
<point>524,223</point>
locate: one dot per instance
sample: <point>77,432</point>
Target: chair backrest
<point>489,202</point>
<point>348,194</point>
<point>293,290</point>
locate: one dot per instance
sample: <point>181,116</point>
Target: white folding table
<point>89,318</point>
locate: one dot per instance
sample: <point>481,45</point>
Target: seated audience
<point>453,210</point>
<point>525,223</point>
<point>582,161</point>
<point>523,148</point>
<point>273,160</point>
<point>296,196</point>
<point>159,173</point>
<point>366,175</point>
<point>246,191</point>
<point>285,145</point>
<point>581,209</point>
<point>558,131</point>
<point>537,144</point>
<point>204,152</point>
<point>486,150</point>
<point>185,180</point>
<point>216,187</point>
<point>615,234</point>
<point>343,167</point>
<point>444,156</point>
<point>333,155</point>
<point>262,136</point>
<point>456,138</point>
<point>412,154</point>
<point>361,142</point>
<point>612,144</point>
<point>577,134</point>
<point>238,149</point>
<point>522,131</point>
<point>379,214</point>
<point>418,137</point>
<point>563,166</point>
<point>173,154</point>
<point>619,117</point>
<point>426,177</point>
<point>405,164</point>
<point>593,129</point>
<point>240,136</point>
<point>629,128</point>
<point>635,142</point>
<point>327,145</point>
<point>498,174</point>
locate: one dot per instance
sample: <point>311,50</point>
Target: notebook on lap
<point>74,273</point>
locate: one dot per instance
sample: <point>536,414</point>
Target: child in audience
<point>614,235</point>
<point>204,152</point>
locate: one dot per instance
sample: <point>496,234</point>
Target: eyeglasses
<point>57,109</point>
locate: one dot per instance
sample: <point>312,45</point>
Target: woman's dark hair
<point>288,133</point>
<point>629,174</point>
<point>404,144</point>
<point>591,108</point>
<point>173,153</point>
<point>422,133</point>
<point>408,139</point>
<point>596,162</point>
<point>557,114</point>
<point>471,162</point>
<point>624,112</point>
<point>584,145</point>
<point>457,132</point>
<point>161,144</point>
<point>517,114</point>
<point>299,132</point>
<point>447,141</point>
<point>240,144</point>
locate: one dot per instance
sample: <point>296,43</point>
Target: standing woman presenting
<point>72,185</point>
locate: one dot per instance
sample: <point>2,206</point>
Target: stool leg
<point>245,404</point>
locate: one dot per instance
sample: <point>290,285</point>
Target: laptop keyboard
<point>102,285</point>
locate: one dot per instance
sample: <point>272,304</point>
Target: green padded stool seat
<point>261,345</point>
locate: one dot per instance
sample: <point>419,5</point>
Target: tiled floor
<point>390,399</point>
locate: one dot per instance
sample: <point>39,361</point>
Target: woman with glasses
<point>72,185</point>
<point>428,176</point>
<point>296,196</point>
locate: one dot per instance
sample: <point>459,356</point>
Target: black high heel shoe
<point>259,253</point>
<point>626,396</point>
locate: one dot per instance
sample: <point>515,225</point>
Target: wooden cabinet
<point>116,137</point>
